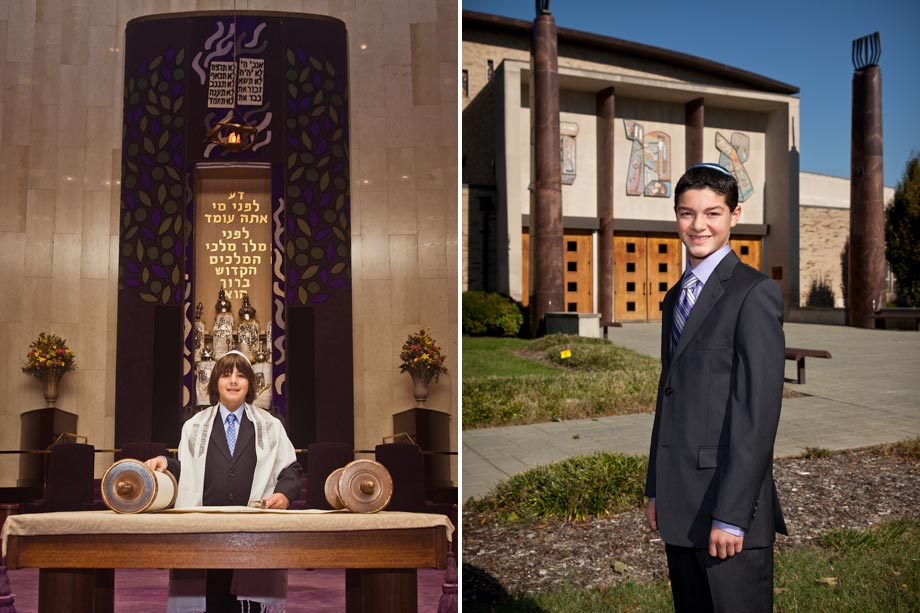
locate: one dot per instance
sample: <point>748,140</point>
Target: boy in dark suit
<point>229,454</point>
<point>710,475</point>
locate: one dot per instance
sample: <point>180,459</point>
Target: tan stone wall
<point>60,157</point>
<point>822,235</point>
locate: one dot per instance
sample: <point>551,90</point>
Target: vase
<point>51,379</point>
<point>420,389</point>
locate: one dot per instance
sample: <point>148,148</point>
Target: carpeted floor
<point>144,591</point>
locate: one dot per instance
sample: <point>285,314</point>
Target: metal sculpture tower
<point>866,280</point>
<point>546,216</point>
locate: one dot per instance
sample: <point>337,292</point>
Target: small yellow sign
<point>564,354</point>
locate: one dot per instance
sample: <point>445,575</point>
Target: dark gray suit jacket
<point>718,408</point>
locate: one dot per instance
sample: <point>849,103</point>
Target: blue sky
<point>804,43</point>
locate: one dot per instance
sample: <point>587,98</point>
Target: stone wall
<point>823,231</point>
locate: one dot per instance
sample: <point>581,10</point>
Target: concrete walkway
<point>868,393</point>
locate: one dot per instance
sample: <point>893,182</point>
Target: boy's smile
<point>232,388</point>
<point>704,222</point>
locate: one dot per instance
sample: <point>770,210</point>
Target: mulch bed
<point>851,489</point>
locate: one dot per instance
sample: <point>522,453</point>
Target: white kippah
<point>239,353</point>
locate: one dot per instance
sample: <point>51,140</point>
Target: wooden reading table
<point>77,552</point>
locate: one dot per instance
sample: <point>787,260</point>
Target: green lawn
<point>497,357</point>
<point>515,381</point>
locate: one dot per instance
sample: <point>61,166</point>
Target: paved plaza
<point>868,393</point>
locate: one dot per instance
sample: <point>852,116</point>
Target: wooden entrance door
<point>578,275</point>
<point>630,276</point>
<point>748,250</point>
<point>645,267</point>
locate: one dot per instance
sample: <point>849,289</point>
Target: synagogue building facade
<point>671,110</point>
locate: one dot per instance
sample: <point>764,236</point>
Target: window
<point>663,267</point>
<point>572,286</point>
<point>572,266</point>
<point>631,306</point>
<point>631,286</point>
<point>630,247</point>
<point>630,267</point>
<point>745,250</point>
<point>662,287</point>
<point>571,246</point>
<point>662,247</point>
<point>572,307</point>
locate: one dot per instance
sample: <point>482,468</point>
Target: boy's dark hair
<point>225,366</point>
<point>709,176</point>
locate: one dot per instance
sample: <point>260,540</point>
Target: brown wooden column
<point>606,118</point>
<point>867,212</point>
<point>546,218</point>
<point>694,111</point>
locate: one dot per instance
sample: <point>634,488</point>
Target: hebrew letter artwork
<point>733,155</point>
<point>649,171</point>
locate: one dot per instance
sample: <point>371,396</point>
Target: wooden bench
<point>609,324</point>
<point>799,355</point>
<point>880,317</point>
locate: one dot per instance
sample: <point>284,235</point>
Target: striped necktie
<point>231,432</point>
<point>684,306</point>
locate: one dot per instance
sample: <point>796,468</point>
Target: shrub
<point>816,453</point>
<point>490,314</point>
<point>821,294</point>
<point>909,449</point>
<point>594,485</point>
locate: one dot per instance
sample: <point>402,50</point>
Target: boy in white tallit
<point>229,454</point>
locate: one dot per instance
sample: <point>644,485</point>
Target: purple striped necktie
<point>684,306</point>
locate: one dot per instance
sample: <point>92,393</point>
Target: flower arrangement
<point>422,358</point>
<point>48,353</point>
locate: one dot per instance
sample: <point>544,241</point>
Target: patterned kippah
<point>713,166</point>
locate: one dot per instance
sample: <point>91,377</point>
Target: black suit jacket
<point>718,409</point>
<point>228,480</point>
